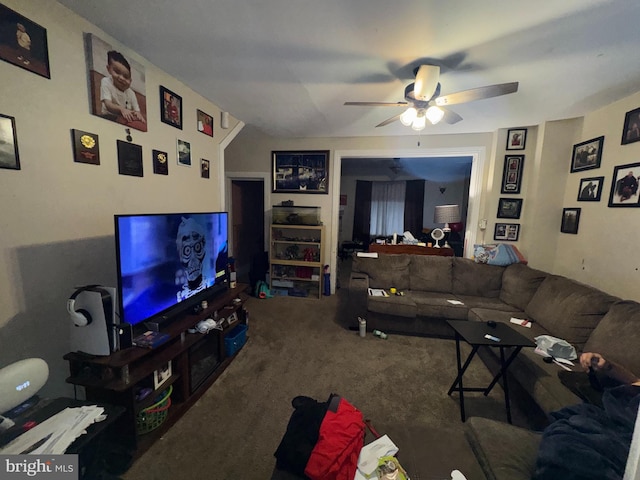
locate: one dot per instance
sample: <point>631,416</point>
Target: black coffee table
<point>474,334</point>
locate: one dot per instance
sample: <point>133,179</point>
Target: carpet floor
<point>299,346</point>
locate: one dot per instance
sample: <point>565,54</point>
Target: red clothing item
<point>335,455</point>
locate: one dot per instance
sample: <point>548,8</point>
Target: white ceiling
<point>287,66</point>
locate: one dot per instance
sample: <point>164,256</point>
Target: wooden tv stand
<point>117,378</point>
<point>410,249</point>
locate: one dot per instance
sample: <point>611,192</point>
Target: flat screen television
<point>169,262</point>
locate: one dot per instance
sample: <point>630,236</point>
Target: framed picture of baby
<point>117,84</point>
<point>170,108</point>
<point>23,42</point>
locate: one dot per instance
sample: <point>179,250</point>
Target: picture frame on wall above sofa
<point>117,83</point>
<point>9,157</point>
<point>509,208</point>
<point>300,171</point>
<point>624,186</point>
<point>506,232</point>
<point>590,189</point>
<point>23,43</point>
<point>205,123</point>
<point>512,174</point>
<point>170,108</point>
<point>631,128</point>
<point>587,155</point>
<point>516,138</point>
<point>570,220</point>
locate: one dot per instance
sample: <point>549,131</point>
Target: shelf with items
<point>188,364</point>
<point>296,259</point>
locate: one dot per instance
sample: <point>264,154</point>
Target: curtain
<point>387,208</point>
<point>362,212</point>
<point>414,207</point>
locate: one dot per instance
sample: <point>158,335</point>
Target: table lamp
<point>446,214</point>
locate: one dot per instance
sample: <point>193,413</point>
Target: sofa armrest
<point>358,293</point>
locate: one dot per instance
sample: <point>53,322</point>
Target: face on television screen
<point>166,259</point>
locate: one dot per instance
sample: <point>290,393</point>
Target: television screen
<point>166,260</point>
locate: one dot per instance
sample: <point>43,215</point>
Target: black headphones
<point>81,317</point>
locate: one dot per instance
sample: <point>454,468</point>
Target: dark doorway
<point>247,217</point>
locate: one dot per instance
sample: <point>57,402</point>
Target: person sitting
<point>586,441</point>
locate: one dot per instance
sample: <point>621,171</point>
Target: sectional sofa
<point>587,318</point>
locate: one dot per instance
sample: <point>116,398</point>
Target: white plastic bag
<point>556,347</point>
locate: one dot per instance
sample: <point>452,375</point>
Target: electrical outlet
<point>483,224</point>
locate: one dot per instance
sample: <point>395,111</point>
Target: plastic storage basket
<point>154,415</point>
<point>236,339</point>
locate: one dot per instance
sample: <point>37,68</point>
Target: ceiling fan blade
<point>426,82</point>
<point>389,120</point>
<point>450,116</point>
<point>477,94</point>
<point>377,104</point>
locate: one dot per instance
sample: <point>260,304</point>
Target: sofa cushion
<point>385,271</point>
<point>505,452</point>
<point>476,279</point>
<point>568,309</point>
<point>519,284</point>
<point>484,302</point>
<point>430,273</point>
<point>393,305</point>
<point>437,305</point>
<point>616,336</point>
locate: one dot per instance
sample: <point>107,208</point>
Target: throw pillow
<point>498,254</point>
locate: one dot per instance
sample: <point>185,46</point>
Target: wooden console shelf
<point>411,250</point>
<point>196,361</point>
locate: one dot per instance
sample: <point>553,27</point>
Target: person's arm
<point>609,368</point>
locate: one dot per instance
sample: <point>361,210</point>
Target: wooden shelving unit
<point>296,259</point>
<point>117,378</point>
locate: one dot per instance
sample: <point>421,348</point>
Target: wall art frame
<point>590,189</point>
<point>570,220</point>
<point>184,153</point>
<point>130,159</point>
<point>300,171</point>
<point>631,127</point>
<point>86,147</point>
<point>170,108</point>
<point>516,138</point>
<point>587,155</point>
<point>23,43</point>
<point>204,123</point>
<point>512,174</point>
<point>624,186</point>
<point>9,156</point>
<point>509,208</point>
<point>111,97</point>
<point>160,162</point>
<point>506,232</point>
<point>205,168</point>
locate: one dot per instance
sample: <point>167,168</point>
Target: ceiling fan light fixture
<point>407,117</point>
<point>426,83</point>
<point>419,122</point>
<point>434,114</point>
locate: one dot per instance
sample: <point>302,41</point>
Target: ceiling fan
<point>425,102</point>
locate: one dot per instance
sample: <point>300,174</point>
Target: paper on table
<point>367,254</point>
<point>455,302</point>
<point>369,455</point>
<point>378,292</point>
<point>520,321</point>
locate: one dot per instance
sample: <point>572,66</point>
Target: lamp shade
<point>446,214</point>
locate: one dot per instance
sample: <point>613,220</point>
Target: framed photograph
<point>509,207</point>
<point>205,123</point>
<point>23,43</point>
<point>516,138</point>
<point>590,189</point>
<point>160,162</point>
<point>204,168</point>
<point>9,157</point>
<point>300,172</point>
<point>631,128</point>
<point>506,231</point>
<point>161,375</point>
<point>624,186</point>
<point>85,147</point>
<point>129,159</point>
<point>587,155</point>
<point>117,84</point>
<point>184,153</point>
<point>170,108</point>
<point>512,174</point>
<point>570,220</point>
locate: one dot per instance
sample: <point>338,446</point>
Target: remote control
<point>491,337</point>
